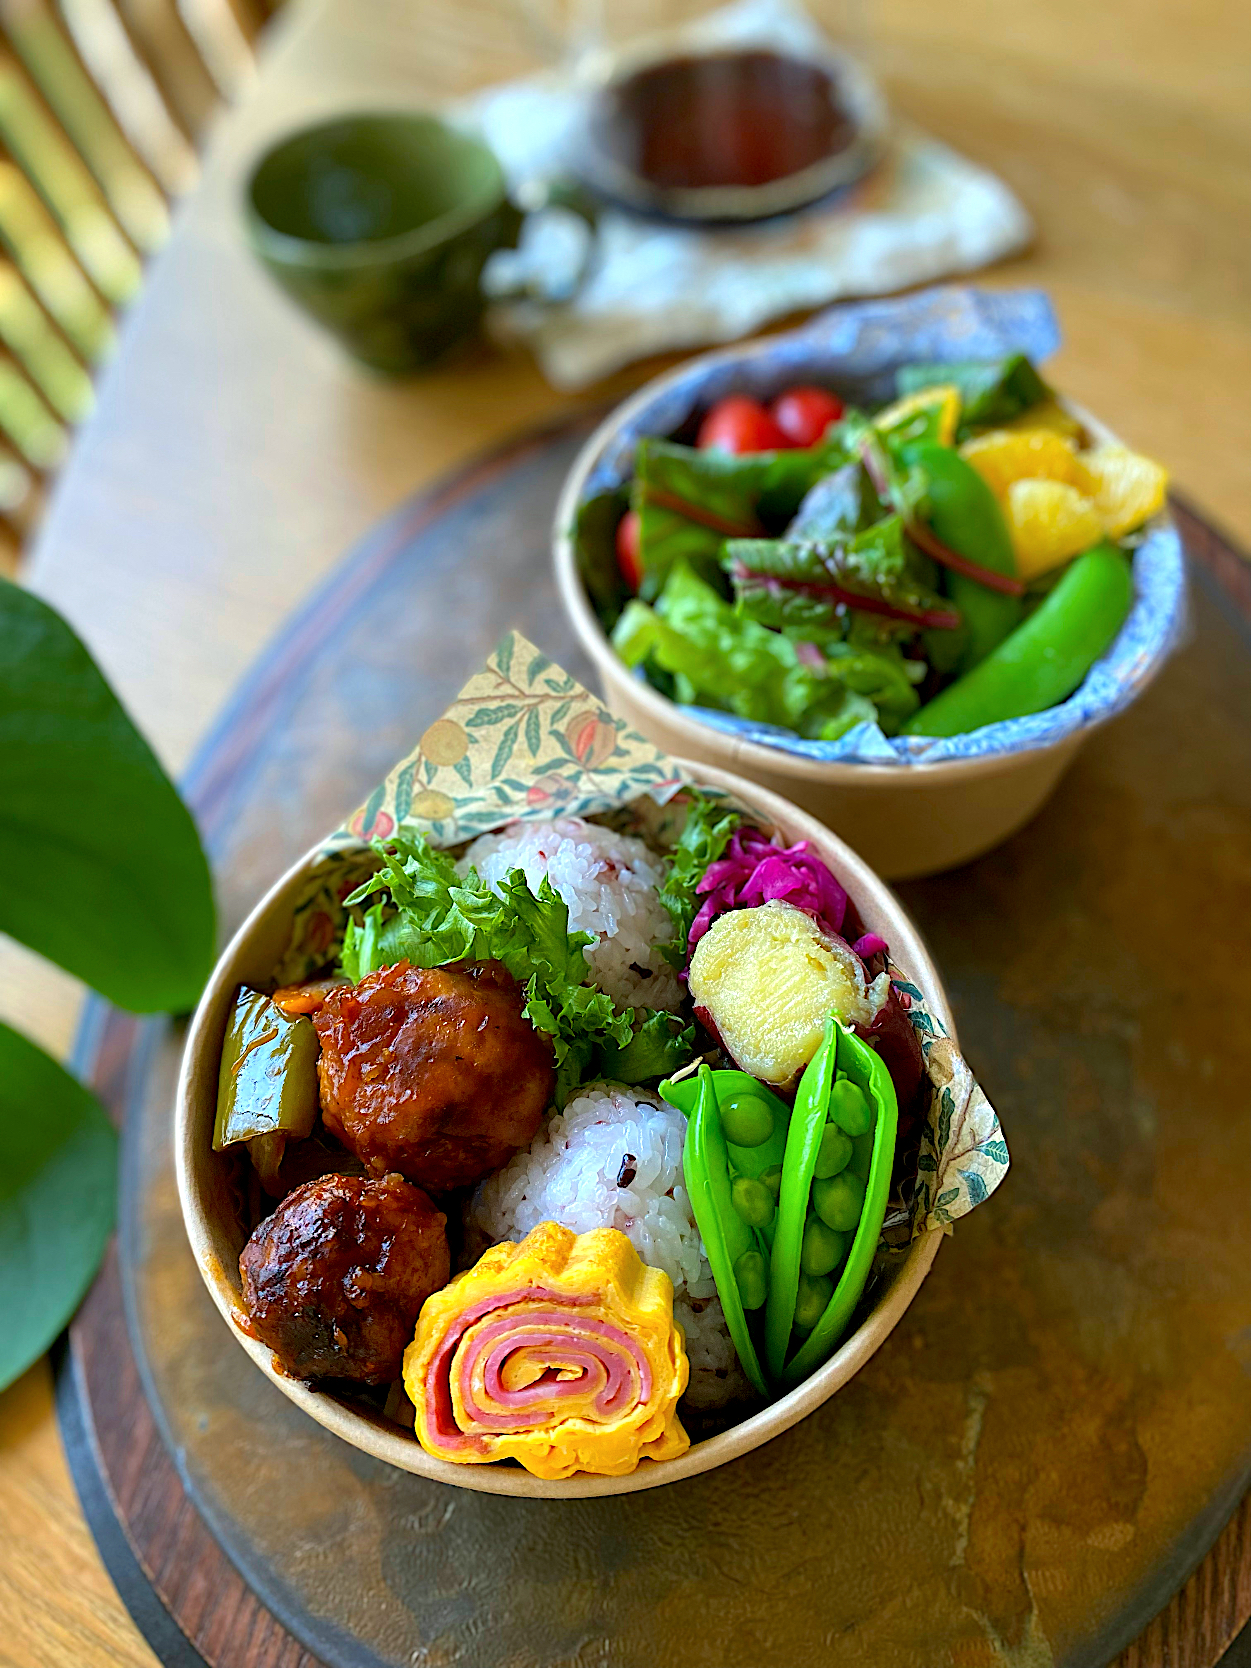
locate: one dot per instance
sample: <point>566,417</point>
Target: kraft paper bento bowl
<point>207,1193</point>
<point>909,819</point>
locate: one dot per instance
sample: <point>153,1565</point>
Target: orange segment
<point>1049,522</point>
<point>1006,455</point>
<point>934,411</point>
<point>1127,488</point>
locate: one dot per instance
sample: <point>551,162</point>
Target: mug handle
<point>535,196</point>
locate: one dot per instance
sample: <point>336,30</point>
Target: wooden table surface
<point>235,456</point>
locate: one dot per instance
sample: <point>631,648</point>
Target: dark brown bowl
<point>733,135</point>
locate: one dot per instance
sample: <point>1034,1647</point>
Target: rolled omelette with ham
<point>561,1352</point>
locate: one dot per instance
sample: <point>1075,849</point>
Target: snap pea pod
<point>965,515</point>
<point>267,1081</point>
<point>824,1217</point>
<point>1045,659</point>
<point>734,1208</point>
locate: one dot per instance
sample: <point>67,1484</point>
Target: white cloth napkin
<point>924,213</point>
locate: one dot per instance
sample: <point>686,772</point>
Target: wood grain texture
<point>1209,1612</point>
<point>235,456</point>
<point>193,1578</point>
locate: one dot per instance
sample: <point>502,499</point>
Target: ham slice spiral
<point>561,1352</point>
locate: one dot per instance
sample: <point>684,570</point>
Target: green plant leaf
<point>991,391</point>
<point>105,872</point>
<point>58,1155</point>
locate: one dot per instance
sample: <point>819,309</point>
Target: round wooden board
<point>1037,1460</point>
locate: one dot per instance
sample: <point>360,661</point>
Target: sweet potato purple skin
<point>893,1036</point>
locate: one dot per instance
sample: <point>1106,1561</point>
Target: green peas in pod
<point>732,1166</point>
<point>840,1147</point>
<point>850,1109</point>
<point>838,1201</point>
<point>822,1249</point>
<point>772,1179</point>
<point>811,1300</point>
<point>751,1275</point>
<point>789,1201</point>
<point>747,1119</point>
<point>834,1153</point>
<point>752,1201</point>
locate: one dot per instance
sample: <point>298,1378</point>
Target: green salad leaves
<point>432,916</point>
<point>817,588</point>
<point>992,391</point>
<point>690,501</point>
<point>877,570</point>
<point>655,1050</point>
<point>720,657</point>
<point>704,837</point>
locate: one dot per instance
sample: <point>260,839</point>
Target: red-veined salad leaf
<point>690,501</point>
<point>687,502</point>
<point>877,569</point>
<point>842,503</point>
<point>722,660</point>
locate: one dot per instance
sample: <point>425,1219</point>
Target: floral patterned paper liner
<point>523,740</point>
<point>963,1155</point>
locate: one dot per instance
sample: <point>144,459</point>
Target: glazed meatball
<point>433,1072</point>
<point>333,1281</point>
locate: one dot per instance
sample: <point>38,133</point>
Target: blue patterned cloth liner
<point>859,347</point>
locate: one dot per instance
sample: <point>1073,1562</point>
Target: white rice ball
<point>610,883</point>
<point>613,1159</point>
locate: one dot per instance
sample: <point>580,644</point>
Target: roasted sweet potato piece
<point>767,977</point>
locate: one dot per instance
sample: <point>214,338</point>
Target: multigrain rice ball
<point>613,1159</point>
<point>611,885</point>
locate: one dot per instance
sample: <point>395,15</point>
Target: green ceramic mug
<point>379,225</point>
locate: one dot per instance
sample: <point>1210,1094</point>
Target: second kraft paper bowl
<point>913,807</point>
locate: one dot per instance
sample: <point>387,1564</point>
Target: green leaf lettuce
<point>705,835</point>
<point>720,659</point>
<point>441,917</point>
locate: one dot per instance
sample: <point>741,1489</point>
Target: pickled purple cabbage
<point>755,871</point>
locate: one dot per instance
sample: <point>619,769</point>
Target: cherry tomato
<point>629,556</point>
<point>737,424</point>
<point>804,414</point>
